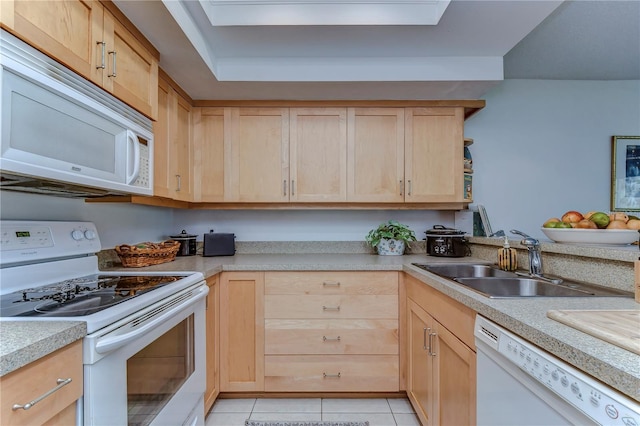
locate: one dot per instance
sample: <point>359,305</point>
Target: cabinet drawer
<point>36,379</point>
<point>331,282</point>
<point>331,373</point>
<point>310,337</point>
<point>323,307</point>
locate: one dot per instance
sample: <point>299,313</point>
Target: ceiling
<point>474,46</point>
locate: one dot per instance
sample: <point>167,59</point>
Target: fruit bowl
<point>592,236</point>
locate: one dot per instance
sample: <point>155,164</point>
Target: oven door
<point>148,369</point>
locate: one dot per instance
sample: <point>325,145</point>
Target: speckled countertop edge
<point>22,342</point>
<point>525,317</point>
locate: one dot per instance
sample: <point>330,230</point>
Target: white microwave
<point>62,135</point>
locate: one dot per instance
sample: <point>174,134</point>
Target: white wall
<point>541,148</point>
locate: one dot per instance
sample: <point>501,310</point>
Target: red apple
<point>572,216</point>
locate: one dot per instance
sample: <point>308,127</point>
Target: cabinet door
<point>434,156</point>
<point>318,154</point>
<point>131,70</point>
<point>213,344</point>
<point>420,375</point>
<point>257,155</point>
<point>455,379</point>
<point>69,31</point>
<point>181,148</point>
<point>242,332</point>
<point>208,150</point>
<point>376,155</point>
<point>161,146</point>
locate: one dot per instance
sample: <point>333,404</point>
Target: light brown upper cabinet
<point>318,155</point>
<point>173,153</point>
<point>434,150</point>
<point>90,39</point>
<point>256,151</point>
<point>208,153</point>
<point>376,155</point>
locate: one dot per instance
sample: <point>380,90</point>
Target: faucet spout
<point>535,258</point>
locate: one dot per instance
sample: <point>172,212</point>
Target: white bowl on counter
<point>592,236</point>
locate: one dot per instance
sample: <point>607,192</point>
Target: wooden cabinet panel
<point>208,153</point>
<point>37,378</point>
<point>434,148</point>
<point>173,142</point>
<point>131,70</point>
<point>66,30</point>
<point>357,336</point>
<point>241,332</point>
<point>441,377</point>
<point>331,373</point>
<point>318,154</point>
<point>257,155</point>
<point>376,155</point>
<point>331,306</point>
<point>213,344</point>
<point>331,282</point>
<point>419,381</point>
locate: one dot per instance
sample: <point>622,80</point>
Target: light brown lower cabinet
<point>212,328</point>
<point>441,377</point>
<point>36,379</point>
<point>242,332</point>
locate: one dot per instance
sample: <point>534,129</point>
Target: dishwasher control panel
<point>603,404</point>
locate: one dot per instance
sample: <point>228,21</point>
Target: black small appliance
<point>219,244</point>
<point>447,242</point>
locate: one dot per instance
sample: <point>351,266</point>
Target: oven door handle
<point>112,343</point>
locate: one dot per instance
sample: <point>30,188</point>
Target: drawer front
<point>310,337</point>
<point>331,282</point>
<point>36,379</point>
<point>331,307</point>
<point>331,373</point>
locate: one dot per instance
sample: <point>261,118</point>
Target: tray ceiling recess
<point>327,12</point>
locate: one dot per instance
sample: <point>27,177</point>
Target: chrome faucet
<point>535,259</point>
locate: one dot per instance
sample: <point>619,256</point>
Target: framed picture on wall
<point>625,173</point>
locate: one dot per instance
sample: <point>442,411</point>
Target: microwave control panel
<point>144,175</point>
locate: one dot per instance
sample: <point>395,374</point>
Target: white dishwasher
<point>520,384</point>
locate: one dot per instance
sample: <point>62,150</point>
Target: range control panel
<point>32,241</point>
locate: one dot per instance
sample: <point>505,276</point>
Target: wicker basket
<point>147,253</point>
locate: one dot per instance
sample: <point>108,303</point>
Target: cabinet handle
<point>293,187</point>
<point>401,187</point>
<point>327,339</point>
<point>284,187</point>
<point>431,351</point>
<point>113,73</point>
<point>424,338</point>
<point>409,191</point>
<point>330,376</point>
<point>331,308</point>
<point>103,47</point>
<point>331,283</point>
<point>28,405</point>
<point>179,182</point>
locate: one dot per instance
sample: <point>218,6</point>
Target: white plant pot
<point>391,247</point>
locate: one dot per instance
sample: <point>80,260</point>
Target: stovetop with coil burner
<point>80,296</point>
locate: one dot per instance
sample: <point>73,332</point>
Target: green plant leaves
<point>390,230</point>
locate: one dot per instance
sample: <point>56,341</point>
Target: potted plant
<point>390,237</point>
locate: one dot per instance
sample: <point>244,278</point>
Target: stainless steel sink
<point>495,283</point>
<point>463,270</point>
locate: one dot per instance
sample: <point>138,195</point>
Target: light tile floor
<point>377,411</point>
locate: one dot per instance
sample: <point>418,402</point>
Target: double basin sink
<point>495,283</point>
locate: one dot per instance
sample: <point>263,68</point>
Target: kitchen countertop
<point>526,317</point>
<point>23,342</point>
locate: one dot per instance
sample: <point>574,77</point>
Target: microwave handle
<point>133,140</point>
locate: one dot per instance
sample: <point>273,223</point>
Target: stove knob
<point>90,234</point>
<point>77,235</point>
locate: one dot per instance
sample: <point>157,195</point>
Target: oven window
<point>156,373</point>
